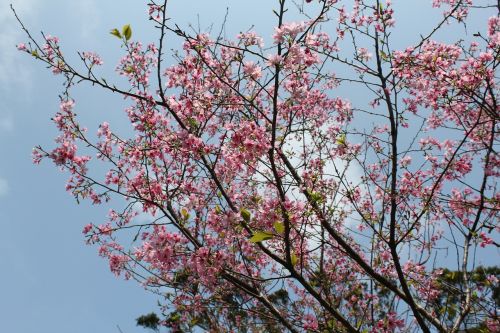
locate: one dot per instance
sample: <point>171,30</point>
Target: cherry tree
<point>311,179</point>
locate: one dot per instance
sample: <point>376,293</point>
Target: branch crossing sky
<point>51,282</point>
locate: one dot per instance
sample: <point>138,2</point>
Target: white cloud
<point>4,187</point>
<point>13,71</point>
<point>88,10</point>
<point>12,65</point>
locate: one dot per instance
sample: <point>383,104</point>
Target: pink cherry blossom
<point>319,184</point>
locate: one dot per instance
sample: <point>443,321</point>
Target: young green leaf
<point>279,227</point>
<point>293,258</point>
<point>260,236</point>
<point>185,213</point>
<point>245,214</point>
<point>116,33</point>
<point>193,123</point>
<point>341,140</point>
<point>316,197</point>
<point>384,55</point>
<point>127,31</point>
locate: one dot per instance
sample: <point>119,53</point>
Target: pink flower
<point>252,69</point>
<point>485,240</point>
<point>250,38</point>
<point>494,31</point>
<point>92,57</point>
<point>290,30</point>
<point>155,11</point>
<point>493,25</point>
<point>310,322</point>
<point>405,161</point>
<point>87,229</point>
<point>492,279</point>
<point>117,263</point>
<point>363,54</point>
<point>274,59</point>
<point>21,47</point>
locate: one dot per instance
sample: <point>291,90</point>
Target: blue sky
<point>50,281</point>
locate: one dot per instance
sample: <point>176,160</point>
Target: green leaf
<point>293,258</point>
<point>256,199</point>
<point>279,227</point>
<point>127,31</point>
<point>116,33</point>
<point>185,213</point>
<point>383,55</point>
<point>193,123</point>
<point>315,196</point>
<point>245,214</point>
<point>260,236</point>
<point>341,139</point>
<point>34,53</point>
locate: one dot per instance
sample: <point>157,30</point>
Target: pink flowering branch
<point>273,203</point>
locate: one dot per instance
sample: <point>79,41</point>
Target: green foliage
<point>150,320</point>
<point>447,305</point>
<point>116,33</point>
<point>260,236</point>
<point>315,197</point>
<point>127,32</point>
<point>341,140</point>
<point>279,227</point>
<point>245,214</point>
<point>279,297</point>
